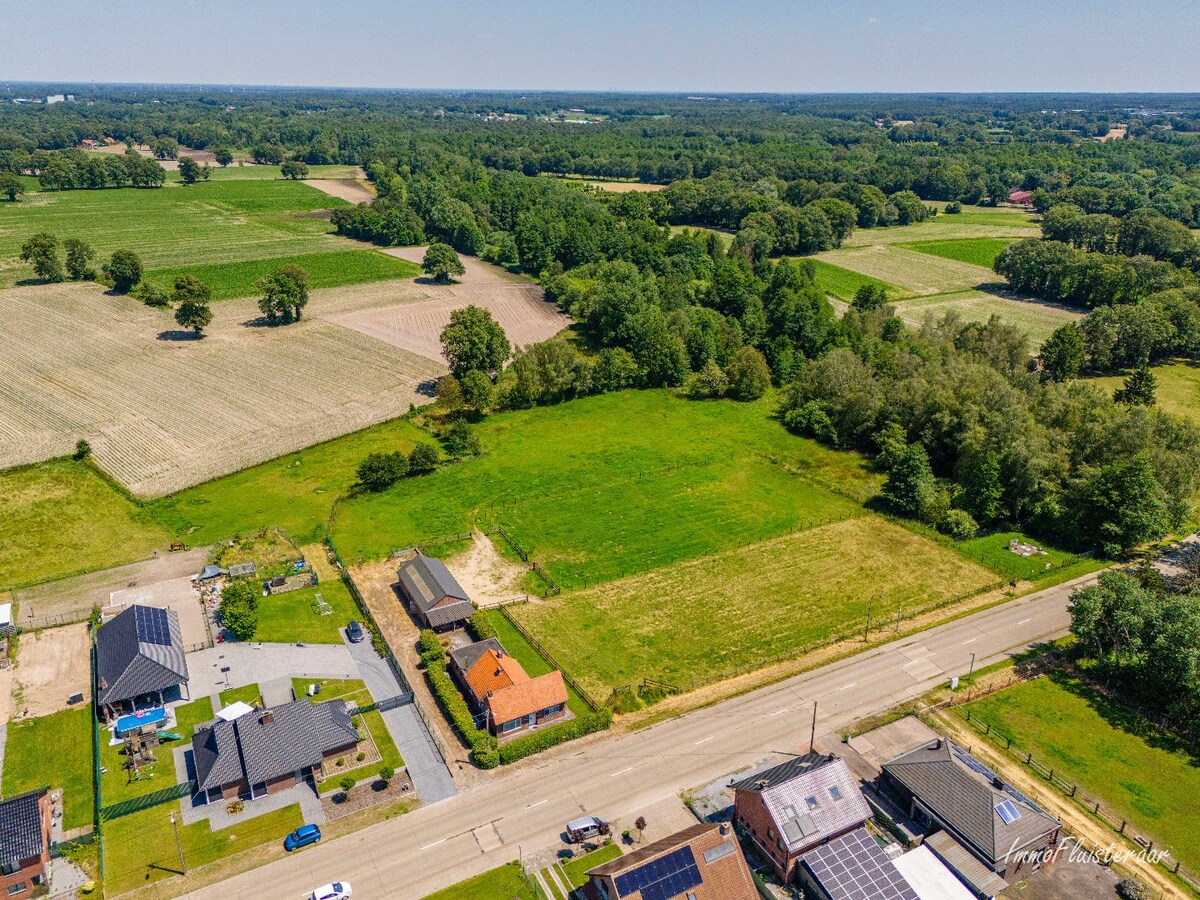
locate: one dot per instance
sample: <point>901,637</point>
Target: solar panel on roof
<point>1008,812</point>
<point>855,867</point>
<point>152,625</point>
<point>662,878</point>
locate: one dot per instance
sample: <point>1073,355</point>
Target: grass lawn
<point>992,551</point>
<point>294,492</point>
<point>140,849</point>
<point>60,518</point>
<point>1115,757</point>
<point>1006,216</point>
<point>217,222</point>
<point>238,279</point>
<point>271,173</point>
<point>53,750</point>
<point>617,484</point>
<point>700,620</point>
<point>1038,320</point>
<point>531,661</point>
<point>843,283</point>
<point>977,251</point>
<point>115,783</point>
<point>1178,389</point>
<point>576,869</point>
<point>189,715</point>
<point>505,882</point>
<point>247,693</point>
<point>355,691</point>
<point>291,617</point>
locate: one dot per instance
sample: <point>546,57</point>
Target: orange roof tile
<point>494,672</point>
<point>528,697</point>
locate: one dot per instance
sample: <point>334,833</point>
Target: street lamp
<point>971,671</point>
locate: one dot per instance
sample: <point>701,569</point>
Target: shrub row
<point>551,737</point>
<point>480,625</point>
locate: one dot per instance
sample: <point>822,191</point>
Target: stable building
<point>139,660</point>
<point>435,599</point>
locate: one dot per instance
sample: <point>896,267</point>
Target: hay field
<point>1035,318</point>
<point>163,413</point>
<point>415,324</point>
<point>707,616</point>
<point>911,271</point>
<point>626,187</point>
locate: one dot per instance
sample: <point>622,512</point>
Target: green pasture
<point>1177,390</point>
<point>977,251</point>
<point>843,283</point>
<point>54,750</point>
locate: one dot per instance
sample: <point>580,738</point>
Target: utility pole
<point>899,610</point>
<point>971,671</point>
<point>179,844</point>
<point>812,740</point>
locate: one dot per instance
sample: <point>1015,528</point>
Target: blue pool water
<point>141,717</point>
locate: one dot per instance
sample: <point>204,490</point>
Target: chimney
<point>724,829</point>
<point>266,718</point>
<point>937,745</point>
<point>997,783</point>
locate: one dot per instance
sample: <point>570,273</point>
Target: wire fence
<point>148,801</point>
<point>549,657</point>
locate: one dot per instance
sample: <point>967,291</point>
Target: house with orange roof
<point>502,694</point>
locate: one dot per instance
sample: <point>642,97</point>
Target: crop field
<point>617,484</point>
<point>911,271</point>
<point>1108,751</point>
<point>1035,318</point>
<point>1178,389</point>
<point>216,222</point>
<point>843,283</point>
<point>416,324</point>
<point>981,251</point>
<point>61,517</point>
<point>163,413</point>
<point>697,620</point>
<point>325,270</point>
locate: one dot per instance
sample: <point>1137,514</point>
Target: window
<point>789,812</point>
<point>9,867</point>
<point>812,802</point>
<point>691,895</point>
<point>770,834</point>
<point>835,793</point>
<point>17,888</point>
<point>511,725</point>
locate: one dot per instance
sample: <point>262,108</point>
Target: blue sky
<point>651,45</point>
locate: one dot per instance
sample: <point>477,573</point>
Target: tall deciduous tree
<point>124,270</point>
<point>11,186</point>
<point>285,294</point>
<point>189,170</point>
<point>1062,354</point>
<point>294,170</point>
<point>474,341</point>
<point>442,263</point>
<point>41,252</point>
<point>193,310</point>
<point>79,257</point>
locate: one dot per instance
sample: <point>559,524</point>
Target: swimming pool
<point>142,717</point>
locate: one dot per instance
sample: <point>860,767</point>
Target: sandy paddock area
<point>488,578</point>
<point>51,665</point>
<point>627,187</point>
<point>343,188</point>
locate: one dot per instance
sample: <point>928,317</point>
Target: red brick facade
<point>32,871</point>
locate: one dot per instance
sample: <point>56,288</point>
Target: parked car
<point>579,830</point>
<point>339,890</point>
<point>355,632</point>
<point>301,837</point>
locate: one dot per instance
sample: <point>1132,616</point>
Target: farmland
<point>616,484</point>
<point>980,251</point>
<point>163,413</point>
<point>843,283</point>
<point>1178,389</point>
<point>1037,319</point>
<point>699,619</point>
<point>1108,751</point>
<point>912,271</point>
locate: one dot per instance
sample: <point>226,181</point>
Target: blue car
<point>302,837</point>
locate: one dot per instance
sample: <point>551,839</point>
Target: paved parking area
<point>261,663</point>
<point>178,594</point>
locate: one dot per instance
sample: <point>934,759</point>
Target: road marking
<point>912,662</point>
<point>705,740</point>
<point>434,844</point>
<point>622,772</point>
<point>539,803</point>
<point>1023,621</point>
<point>778,712</point>
<point>971,641</point>
<point>848,686</point>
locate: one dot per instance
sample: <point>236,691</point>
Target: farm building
<point>703,862</point>
<point>499,690</point>
<point>265,751</point>
<point>801,804</point>
<point>139,660</point>
<point>434,597</point>
<point>942,787</point>
<point>25,833</point>
<point>1021,198</point>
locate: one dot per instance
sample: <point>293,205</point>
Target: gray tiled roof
<point>139,651</point>
<point>465,657</point>
<point>21,829</point>
<point>426,582</point>
<point>297,736</point>
<point>810,798</point>
<point>964,794</point>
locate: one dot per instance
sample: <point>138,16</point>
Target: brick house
<point>1021,198</point>
<point>499,690</point>
<point>794,807</point>
<point>435,599</point>
<point>703,862</point>
<point>269,750</point>
<point>25,829</point>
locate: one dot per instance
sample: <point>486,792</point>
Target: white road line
<point>622,772</point>
<point>539,803</point>
<point>911,662</point>
<point>434,844</point>
<point>778,712</point>
<point>1023,621</point>
<point>705,740</point>
<point>848,686</point>
<point>971,641</point>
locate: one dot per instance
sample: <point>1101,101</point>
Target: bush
<point>481,627</point>
<point>386,774</point>
<point>953,208</point>
<point>361,756</point>
<point>424,458</point>
<point>749,375</point>
<point>378,471</point>
<point>552,737</point>
<point>82,449</point>
<point>429,646</point>
<point>1132,889</point>
<point>152,295</point>
<point>346,783</point>
<point>461,441</point>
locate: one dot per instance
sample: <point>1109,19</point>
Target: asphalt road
<point>411,856</point>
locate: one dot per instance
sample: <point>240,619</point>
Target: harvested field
<point>916,273</point>
<point>163,413</point>
<point>52,665</point>
<point>1037,319</point>
<point>626,187</point>
<point>696,620</point>
<point>416,323</point>
<point>352,191</point>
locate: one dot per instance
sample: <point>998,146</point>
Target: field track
<point>343,188</point>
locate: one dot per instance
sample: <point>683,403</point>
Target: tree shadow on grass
<point>426,279</point>
<point>178,334</point>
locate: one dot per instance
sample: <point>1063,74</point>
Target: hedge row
<point>551,737</point>
<point>480,625</point>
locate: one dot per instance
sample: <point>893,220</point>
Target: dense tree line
<point>73,169</point>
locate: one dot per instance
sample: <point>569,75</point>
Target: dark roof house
<point>703,862</point>
<point>139,652</point>
<point>800,804</point>
<point>465,657</point>
<point>25,830</point>
<point>435,598</point>
<point>941,784</point>
<point>268,744</point>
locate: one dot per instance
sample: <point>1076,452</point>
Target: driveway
<point>430,776</point>
<point>262,663</point>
